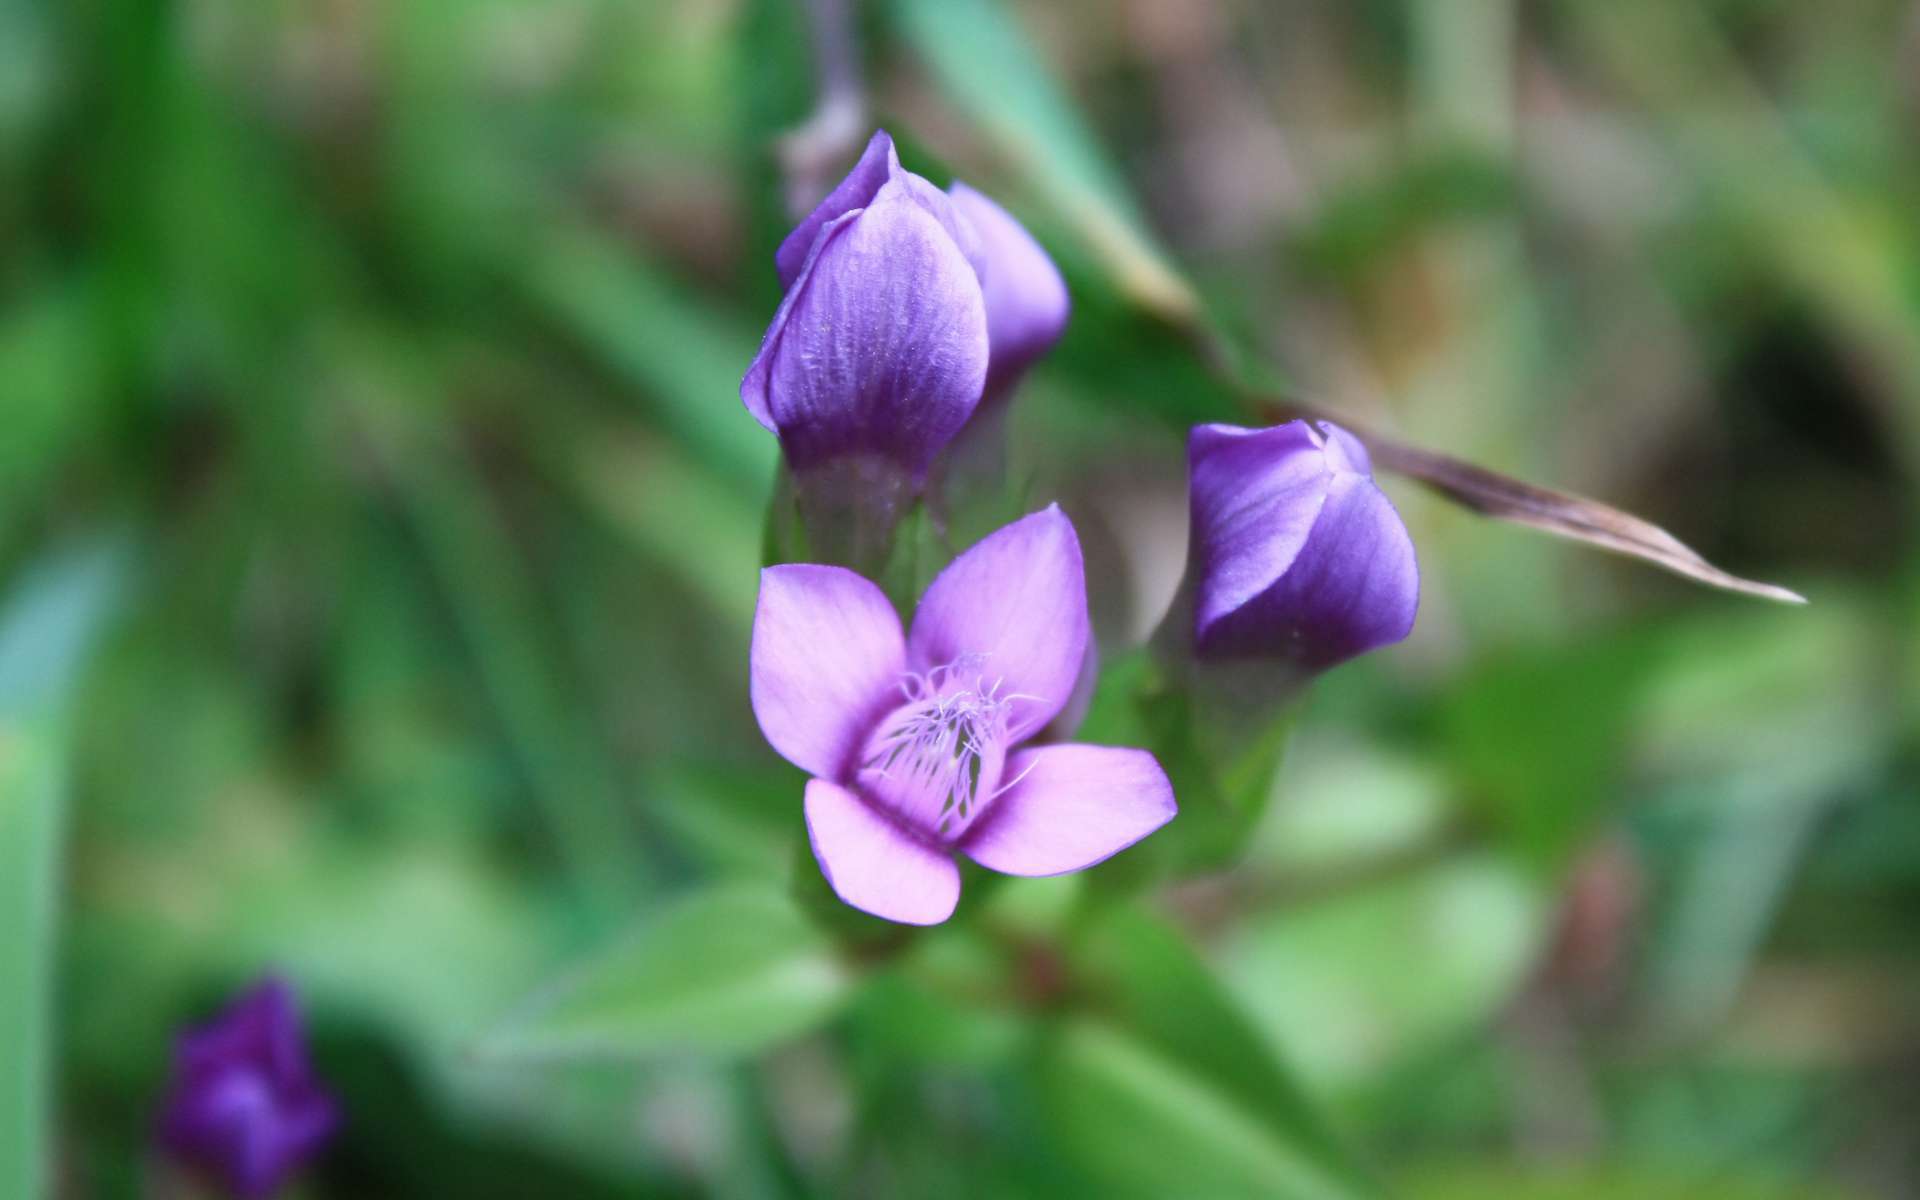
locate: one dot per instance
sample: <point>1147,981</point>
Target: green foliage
<point>1165,1054</point>
<point>48,626</point>
<point>400,343</point>
<point>727,971</point>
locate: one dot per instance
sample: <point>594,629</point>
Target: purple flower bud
<point>884,344</point>
<point>243,1106</point>
<point>914,738</point>
<point>1027,302</point>
<point>1296,554</point>
<point>879,349</point>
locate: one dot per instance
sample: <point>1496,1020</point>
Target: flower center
<point>936,760</point>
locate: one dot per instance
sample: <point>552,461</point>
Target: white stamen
<point>938,742</point>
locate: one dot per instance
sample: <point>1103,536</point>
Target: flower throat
<point>938,758</point>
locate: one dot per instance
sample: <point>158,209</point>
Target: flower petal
<point>877,164</point>
<point>1345,452</point>
<point>827,657</point>
<point>1354,586</point>
<point>1016,602</point>
<point>880,346</point>
<point>874,864</point>
<point>1255,496</point>
<point>1070,807</point>
<point>1027,301</point>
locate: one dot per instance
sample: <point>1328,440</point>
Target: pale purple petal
<point>881,344</point>
<point>1014,609</point>
<point>874,864</point>
<point>1354,586</point>
<point>1026,297</point>
<point>827,659</point>
<point>877,164</point>
<point>1345,452</point>
<point>1070,807</point>
<point>1255,496</point>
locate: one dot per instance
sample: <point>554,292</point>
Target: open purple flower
<point>243,1105</point>
<point>879,349</point>
<point>914,740</point>
<point>1296,554</point>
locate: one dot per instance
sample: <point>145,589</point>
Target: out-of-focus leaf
<point>688,361</point>
<point>988,65</point>
<point>1149,1126</point>
<point>1477,1181</point>
<point>702,524</point>
<point>1764,726</point>
<point>46,629</point>
<point>31,799</point>
<point>1351,984</point>
<point>52,384</point>
<point>1535,737</point>
<point>727,971</point>
<point>736,819</point>
<point>510,636</point>
<point>1167,1059</point>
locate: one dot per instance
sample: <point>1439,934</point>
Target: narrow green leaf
<point>1152,1127</point>
<point>729,971</point>
<point>987,64</point>
<point>30,803</point>
<point>45,631</point>
<point>487,582</point>
<point>688,360</point>
<point>1173,1045</point>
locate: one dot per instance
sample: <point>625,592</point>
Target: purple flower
<point>243,1105</point>
<point>884,344</point>
<point>1296,554</point>
<point>1026,298</point>
<point>879,349</point>
<point>914,740</point>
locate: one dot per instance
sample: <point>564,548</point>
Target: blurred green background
<point>379,521</point>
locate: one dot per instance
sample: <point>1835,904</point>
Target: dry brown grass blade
<point>1560,513</point>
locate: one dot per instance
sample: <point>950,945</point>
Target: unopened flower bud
<point>1297,556</point>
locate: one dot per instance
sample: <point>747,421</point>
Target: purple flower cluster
<point>906,309</point>
<point>244,1107</point>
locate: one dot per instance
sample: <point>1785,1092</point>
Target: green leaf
<point>1537,736</point>
<point>1359,981</point>
<point>728,971</point>
<point>686,360</point>
<point>1168,1086</point>
<point>31,799</point>
<point>1472,1181</point>
<point>45,632</point>
<point>1152,1127</point>
<point>986,62</point>
<point>1222,780</point>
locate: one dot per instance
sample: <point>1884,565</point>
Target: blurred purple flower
<point>243,1105</point>
<point>1027,302</point>
<point>1297,555</point>
<point>913,739</point>
<point>879,348</point>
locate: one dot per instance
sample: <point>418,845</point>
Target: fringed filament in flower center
<point>936,760</point>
